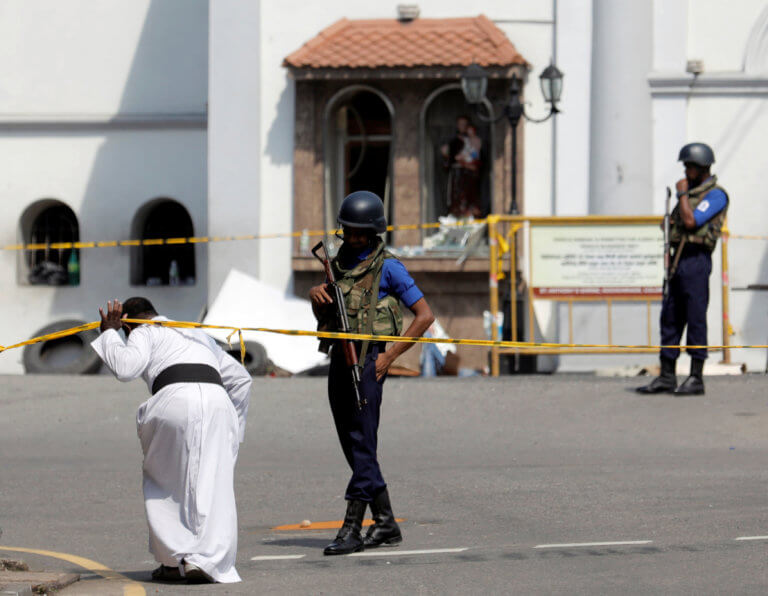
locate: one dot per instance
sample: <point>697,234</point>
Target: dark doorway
<point>360,138</point>
<point>367,167</point>
<point>165,264</point>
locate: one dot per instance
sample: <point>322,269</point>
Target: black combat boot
<point>666,382</point>
<point>694,384</point>
<point>349,540</point>
<point>384,531</point>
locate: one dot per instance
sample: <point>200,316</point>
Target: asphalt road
<point>508,470</point>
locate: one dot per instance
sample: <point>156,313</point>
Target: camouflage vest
<point>365,311</point>
<point>709,232</point>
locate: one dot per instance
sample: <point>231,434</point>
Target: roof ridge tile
<point>373,43</point>
<point>491,30</point>
<point>318,40</point>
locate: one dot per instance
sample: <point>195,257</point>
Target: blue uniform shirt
<point>709,206</point>
<point>395,280</point>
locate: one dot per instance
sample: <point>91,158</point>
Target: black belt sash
<point>186,373</point>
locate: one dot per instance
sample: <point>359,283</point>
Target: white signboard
<point>596,261</point>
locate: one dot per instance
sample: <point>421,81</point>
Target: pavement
<point>566,484</point>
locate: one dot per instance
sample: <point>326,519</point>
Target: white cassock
<point>190,434</point>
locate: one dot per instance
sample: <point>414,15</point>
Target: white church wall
<point>234,143</point>
<point>572,127</point>
<point>104,177</point>
<point>99,57</point>
<point>723,106</point>
<point>718,32</point>
<point>736,128</point>
<point>102,107</point>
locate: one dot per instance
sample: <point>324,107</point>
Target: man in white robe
<point>190,430</point>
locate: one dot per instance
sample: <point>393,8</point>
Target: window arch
<point>439,181</point>
<point>166,264</point>
<point>50,222</point>
<point>358,147</point>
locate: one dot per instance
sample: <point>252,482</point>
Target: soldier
<point>695,225</point>
<point>362,265</point>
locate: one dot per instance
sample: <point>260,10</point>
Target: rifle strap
<point>678,253</point>
<point>371,316</point>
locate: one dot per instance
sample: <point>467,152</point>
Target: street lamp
<point>551,80</point>
<point>474,84</point>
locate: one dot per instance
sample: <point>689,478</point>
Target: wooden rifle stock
<point>347,347</point>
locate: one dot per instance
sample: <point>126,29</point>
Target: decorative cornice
<point>426,73</point>
<point>125,120</point>
<point>709,84</point>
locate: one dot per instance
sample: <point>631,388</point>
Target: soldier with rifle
<point>363,289</point>
<point>694,226</point>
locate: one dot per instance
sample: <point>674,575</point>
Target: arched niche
<point>49,222</point>
<point>357,141</point>
<point>153,265</point>
<point>438,128</point>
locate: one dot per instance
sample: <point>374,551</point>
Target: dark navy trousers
<point>358,429</point>
<point>686,303</point>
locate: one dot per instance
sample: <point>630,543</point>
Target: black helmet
<point>697,153</point>
<point>363,209</point>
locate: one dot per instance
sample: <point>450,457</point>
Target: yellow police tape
<point>210,239</point>
<point>360,336</point>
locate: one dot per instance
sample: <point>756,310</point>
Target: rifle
<point>350,354</point>
<point>665,289</point>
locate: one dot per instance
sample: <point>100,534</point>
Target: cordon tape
<point>360,336</point>
<point>210,239</point>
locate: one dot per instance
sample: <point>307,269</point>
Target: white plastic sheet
<point>244,301</point>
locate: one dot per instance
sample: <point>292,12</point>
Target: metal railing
<point>503,233</point>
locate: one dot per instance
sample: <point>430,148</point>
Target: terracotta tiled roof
<point>388,43</point>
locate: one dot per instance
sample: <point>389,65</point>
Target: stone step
<point>14,582</point>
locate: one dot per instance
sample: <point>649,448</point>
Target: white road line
<point>576,544</point>
<point>276,557</point>
<point>400,553</point>
<point>752,538</point>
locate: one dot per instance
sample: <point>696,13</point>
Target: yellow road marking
<point>132,589</point>
<point>324,525</point>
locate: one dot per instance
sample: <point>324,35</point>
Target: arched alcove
<point>49,222</point>
<point>153,265</point>
<point>358,147</point>
<point>438,118</point>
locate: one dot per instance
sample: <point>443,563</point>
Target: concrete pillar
<point>234,145</point>
<point>620,144</point>
<point>572,128</point>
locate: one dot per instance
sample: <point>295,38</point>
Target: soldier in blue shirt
<point>695,225</point>
<point>374,282</point>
